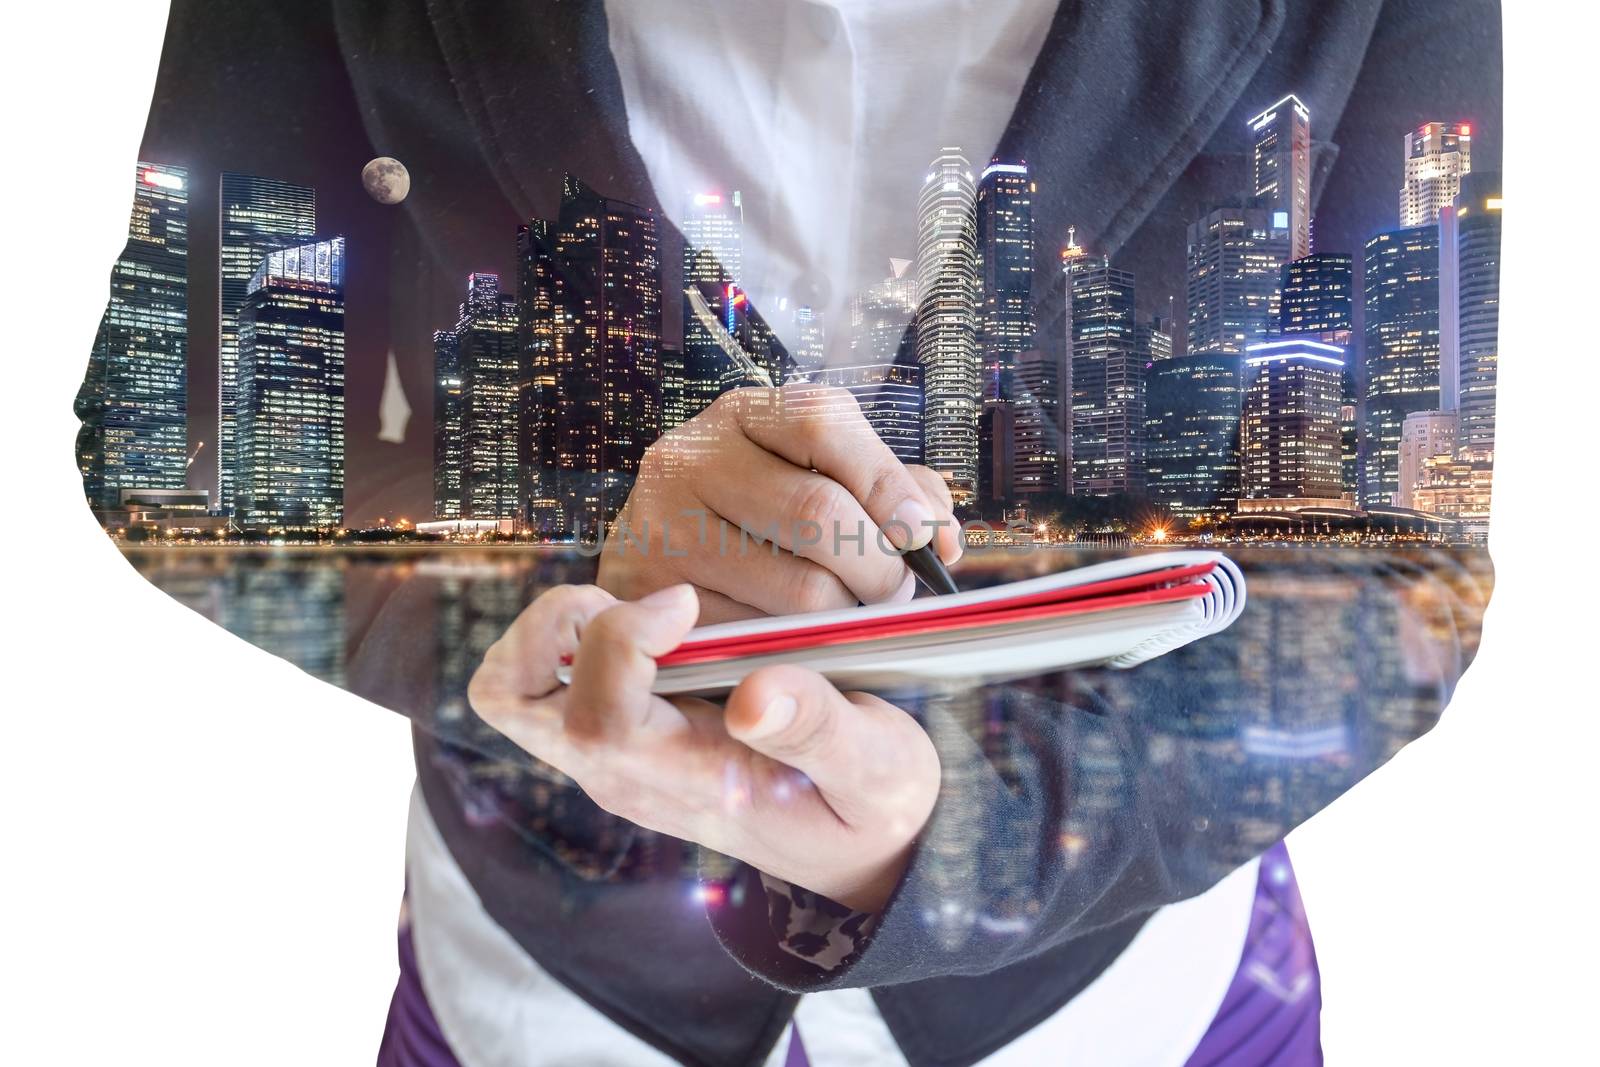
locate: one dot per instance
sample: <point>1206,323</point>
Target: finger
<point>822,429</point>
<point>525,658</point>
<point>616,661</point>
<point>948,539</point>
<point>802,511</point>
<point>871,762</point>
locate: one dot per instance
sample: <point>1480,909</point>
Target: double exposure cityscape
<point>1308,393</point>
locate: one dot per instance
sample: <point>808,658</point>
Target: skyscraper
<point>947,321</point>
<point>1005,266</point>
<point>1438,156</point>
<point>592,294</point>
<point>1192,410</point>
<point>1235,261</point>
<point>1319,303</point>
<point>446,424</point>
<point>290,411</point>
<point>881,318</point>
<point>1281,168</point>
<point>1476,225</point>
<point>255,216</point>
<point>674,406</point>
<point>713,260</point>
<point>487,354</point>
<point>811,343</point>
<point>134,400</point>
<point>1289,442</point>
<point>890,398</point>
<point>1401,282</point>
<point>1040,425</point>
<point>1108,394</point>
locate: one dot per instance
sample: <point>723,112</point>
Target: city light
<point>165,181</point>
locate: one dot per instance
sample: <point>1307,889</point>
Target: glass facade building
<point>890,398</point>
<point>480,379</point>
<point>1281,168</point>
<point>1318,302</point>
<point>1289,437</point>
<point>1107,374</point>
<point>255,216</point>
<point>1236,255</point>
<point>1192,410</point>
<point>1005,271</point>
<point>1039,423</point>
<point>947,321</point>
<point>1477,288</point>
<point>134,400</point>
<point>446,425</point>
<point>1401,283</point>
<point>290,472</point>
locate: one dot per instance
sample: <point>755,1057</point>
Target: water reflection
<point>1178,770</point>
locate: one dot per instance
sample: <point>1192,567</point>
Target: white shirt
<point>824,115</point>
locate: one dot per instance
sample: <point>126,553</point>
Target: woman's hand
<point>826,790</point>
<point>799,467</point>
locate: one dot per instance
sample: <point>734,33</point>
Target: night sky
<point>195,124</point>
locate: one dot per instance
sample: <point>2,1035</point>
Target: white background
<point>203,846</point>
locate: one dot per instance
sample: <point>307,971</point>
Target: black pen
<point>930,569</point>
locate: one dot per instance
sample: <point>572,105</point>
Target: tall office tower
<point>134,401</point>
<point>446,424</point>
<point>1289,441</point>
<point>674,410</point>
<point>1438,156</point>
<point>591,289</point>
<point>889,396</point>
<point>1425,435</point>
<point>489,351</point>
<point>811,342</point>
<point>1192,409</point>
<point>1107,376</point>
<point>1470,325</point>
<point>1235,260</point>
<point>947,321</point>
<point>290,411</point>
<point>713,260</point>
<point>1401,281</point>
<point>997,429</point>
<point>1319,303</point>
<point>1040,427</point>
<point>1005,270</point>
<point>881,327</point>
<point>254,216</point>
<point>1155,339</point>
<point>1281,168</point>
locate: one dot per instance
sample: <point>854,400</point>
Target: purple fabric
<point>1271,1014</point>
<point>1269,1017</point>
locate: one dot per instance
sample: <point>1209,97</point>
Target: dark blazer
<point>1078,804</point>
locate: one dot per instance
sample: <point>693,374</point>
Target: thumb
<point>872,762</point>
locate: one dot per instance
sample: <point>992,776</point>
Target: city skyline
<point>998,323</point>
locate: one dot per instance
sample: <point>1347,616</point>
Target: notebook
<point>1115,614</point>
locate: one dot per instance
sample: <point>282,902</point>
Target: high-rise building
<point>1107,375</point>
<point>1005,270</point>
<point>1192,410</point>
<point>255,216</point>
<point>1281,168</point>
<point>1236,255</point>
<point>1425,435</point>
<point>881,318</point>
<point>1155,339</point>
<point>290,411</point>
<point>674,406</point>
<point>1039,420</point>
<point>947,321</point>
<point>481,368</point>
<point>1401,282</point>
<point>713,264</point>
<point>446,424</point>
<point>1475,311</point>
<point>811,342</point>
<point>592,297</point>
<point>134,401</point>
<point>1318,303</point>
<point>890,398</point>
<point>1438,156</point>
<point>997,428</point>
<point>1289,437</point>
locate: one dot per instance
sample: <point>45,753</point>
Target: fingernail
<point>670,597</point>
<point>776,716</point>
<point>913,517</point>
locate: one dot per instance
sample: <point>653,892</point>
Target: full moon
<point>386,180</point>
